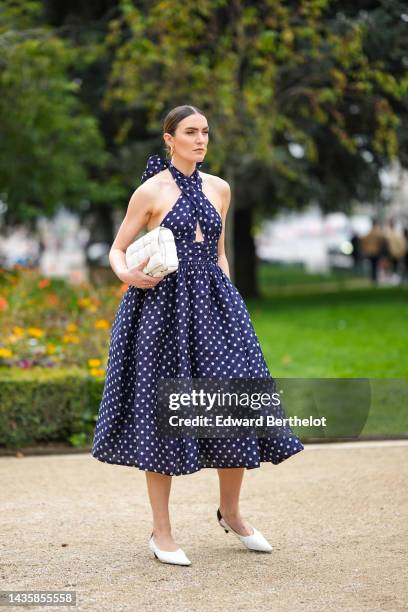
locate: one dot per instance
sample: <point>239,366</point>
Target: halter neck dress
<point>193,323</point>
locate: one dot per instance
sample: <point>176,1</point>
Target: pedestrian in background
<point>372,246</point>
<point>356,253</point>
<point>397,249</point>
<point>405,258</point>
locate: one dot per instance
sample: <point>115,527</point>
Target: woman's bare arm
<point>136,218</point>
<point>226,199</point>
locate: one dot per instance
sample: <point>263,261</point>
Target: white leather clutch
<point>159,245</point>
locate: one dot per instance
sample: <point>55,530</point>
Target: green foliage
<point>268,75</point>
<point>50,142</point>
<point>42,405</point>
<point>328,76</point>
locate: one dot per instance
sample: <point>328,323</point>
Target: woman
<point>190,323</point>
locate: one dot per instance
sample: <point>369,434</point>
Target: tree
<point>51,146</point>
<point>297,105</point>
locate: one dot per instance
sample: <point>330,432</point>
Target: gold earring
<point>171,149</point>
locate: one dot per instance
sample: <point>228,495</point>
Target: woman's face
<point>191,138</point>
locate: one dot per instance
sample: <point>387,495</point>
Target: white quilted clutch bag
<point>159,245</point>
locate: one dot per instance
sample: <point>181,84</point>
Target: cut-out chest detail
<point>193,218</point>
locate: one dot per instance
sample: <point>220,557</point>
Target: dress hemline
<point>201,467</point>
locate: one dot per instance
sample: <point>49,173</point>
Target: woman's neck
<point>183,165</point>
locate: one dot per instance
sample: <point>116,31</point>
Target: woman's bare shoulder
<point>218,183</point>
<point>154,182</point>
<point>151,188</point>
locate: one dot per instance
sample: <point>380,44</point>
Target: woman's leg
<point>230,480</point>
<point>374,268</point>
<point>159,486</point>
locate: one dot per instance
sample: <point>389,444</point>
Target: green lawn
<point>281,275</point>
<point>345,334</point>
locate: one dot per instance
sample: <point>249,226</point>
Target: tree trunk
<point>245,253</point>
<point>239,244</point>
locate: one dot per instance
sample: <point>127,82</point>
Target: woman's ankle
<point>162,531</point>
<point>232,513</point>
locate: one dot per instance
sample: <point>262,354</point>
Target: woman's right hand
<point>137,278</point>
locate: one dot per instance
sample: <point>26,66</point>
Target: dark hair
<point>177,114</point>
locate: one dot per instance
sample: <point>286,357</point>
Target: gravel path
<point>336,515</point>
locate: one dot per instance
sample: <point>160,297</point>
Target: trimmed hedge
<point>44,405</point>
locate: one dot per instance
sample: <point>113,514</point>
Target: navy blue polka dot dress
<point>193,323</point>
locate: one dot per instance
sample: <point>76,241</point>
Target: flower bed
<point>53,356</point>
<point>53,324</point>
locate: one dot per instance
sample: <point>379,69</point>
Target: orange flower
<point>53,299</point>
<point>84,302</point>
<point>123,288</point>
<point>70,338</point>
<point>3,303</point>
<point>102,324</point>
<point>36,332</point>
<point>97,372</point>
<point>94,363</point>
<point>43,282</point>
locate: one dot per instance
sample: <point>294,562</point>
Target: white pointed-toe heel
<point>176,557</point>
<point>255,541</point>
